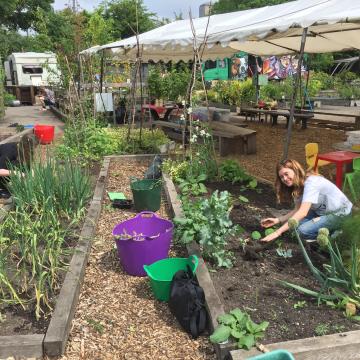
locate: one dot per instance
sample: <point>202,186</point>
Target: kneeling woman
<point>318,202</point>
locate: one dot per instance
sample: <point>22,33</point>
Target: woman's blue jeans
<point>310,225</point>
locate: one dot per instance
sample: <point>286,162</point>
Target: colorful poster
<point>239,68</point>
<point>280,68</point>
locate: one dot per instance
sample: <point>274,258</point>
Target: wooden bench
<point>232,139</point>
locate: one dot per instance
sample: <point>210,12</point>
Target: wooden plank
<point>21,346</point>
<point>329,347</point>
<point>168,124</point>
<point>60,323</point>
<point>214,305</point>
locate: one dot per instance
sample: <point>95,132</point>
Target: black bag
<point>154,170</point>
<point>187,302</point>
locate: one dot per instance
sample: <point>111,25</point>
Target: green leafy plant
<point>193,185</point>
<point>176,169</point>
<point>230,170</point>
<point>207,221</point>
<point>322,329</point>
<point>299,305</point>
<point>237,325</point>
<point>284,253</point>
<point>243,199</point>
<point>256,235</point>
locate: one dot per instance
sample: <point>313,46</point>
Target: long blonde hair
<point>285,193</point>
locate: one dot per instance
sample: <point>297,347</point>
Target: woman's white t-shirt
<point>325,197</point>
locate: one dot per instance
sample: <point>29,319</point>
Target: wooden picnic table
<point>274,114</point>
<point>233,139</point>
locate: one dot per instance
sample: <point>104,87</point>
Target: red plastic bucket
<point>45,133</point>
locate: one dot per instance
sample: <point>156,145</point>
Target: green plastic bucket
<point>161,273</point>
<point>146,194</point>
<point>274,355</point>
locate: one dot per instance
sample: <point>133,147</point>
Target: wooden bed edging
<point>342,346</point>
<point>58,330</point>
<point>213,303</point>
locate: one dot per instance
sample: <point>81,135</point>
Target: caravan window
<point>32,69</point>
<point>210,64</point>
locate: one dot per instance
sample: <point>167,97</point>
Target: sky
<point>163,8</point>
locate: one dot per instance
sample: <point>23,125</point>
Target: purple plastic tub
<point>142,240</point>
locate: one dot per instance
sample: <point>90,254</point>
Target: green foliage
<point>202,155</point>
<point>54,186</point>
<point>207,221</point>
<point>98,30</point>
<point>234,92</point>
<point>284,253</point>
<point>322,329</point>
<point>299,305</point>
<point>192,185</point>
<point>238,325</point>
<point>176,169</point>
<point>169,84</point>
<point>8,98</point>
<point>230,170</point>
<point>256,235</point>
<point>91,141</point>
<point>49,200</point>
<point>23,14</point>
<point>128,17</point>
<point>321,62</point>
<point>337,280</point>
<point>225,6</point>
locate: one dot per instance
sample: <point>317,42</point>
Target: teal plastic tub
<point>273,355</point>
<point>161,273</point>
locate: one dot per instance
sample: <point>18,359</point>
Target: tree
<point>22,14</point>
<point>98,30</point>
<point>224,6</point>
<point>123,14</point>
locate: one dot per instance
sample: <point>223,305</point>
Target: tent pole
<point>297,82</point>
<point>101,71</point>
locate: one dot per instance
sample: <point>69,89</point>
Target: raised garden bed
<point>251,286</point>
<point>22,336</point>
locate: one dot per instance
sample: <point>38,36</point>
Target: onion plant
<point>33,236</point>
<point>339,281</point>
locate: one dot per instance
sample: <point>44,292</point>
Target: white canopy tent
<point>333,25</point>
<point>312,26</point>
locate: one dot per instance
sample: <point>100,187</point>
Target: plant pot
<point>146,194</point>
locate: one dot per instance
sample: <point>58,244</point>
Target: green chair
<point>349,179</point>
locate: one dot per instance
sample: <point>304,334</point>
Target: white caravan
<point>31,69</point>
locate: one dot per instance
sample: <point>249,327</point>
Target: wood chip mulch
<point>270,145</point>
<point>117,316</point>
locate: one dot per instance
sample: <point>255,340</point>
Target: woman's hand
<point>271,236</point>
<point>268,222</point>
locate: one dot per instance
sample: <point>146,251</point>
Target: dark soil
<point>14,320</point>
<point>252,284</point>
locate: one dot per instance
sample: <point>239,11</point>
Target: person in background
<point>15,154</point>
<point>47,98</point>
<point>318,202</point>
